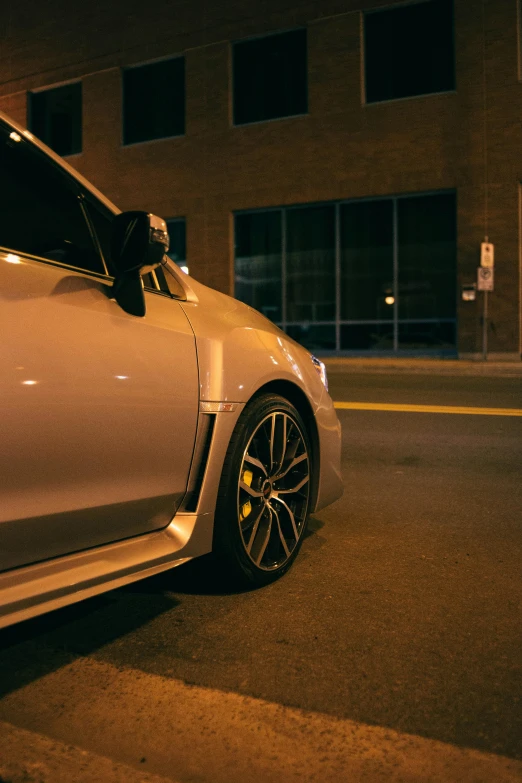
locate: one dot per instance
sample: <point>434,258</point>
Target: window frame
<point>50,88</point>
<point>364,90</point>
<point>134,66</point>
<point>338,321</point>
<point>258,37</point>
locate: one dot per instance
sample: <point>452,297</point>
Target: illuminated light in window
<point>121,377</point>
<point>29,383</point>
<point>15,136</point>
<point>390,300</point>
<point>184,269</point>
<point>12,259</point>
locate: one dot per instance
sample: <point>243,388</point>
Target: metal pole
<point>485,328</point>
<point>395,277</point>
<point>337,277</point>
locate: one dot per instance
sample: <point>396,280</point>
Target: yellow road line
<point>391,406</point>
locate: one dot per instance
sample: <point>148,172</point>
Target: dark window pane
<point>162,281</point>
<point>366,260</point>
<point>314,337</point>
<point>40,212</point>
<point>427,257</point>
<point>270,77</point>
<point>310,264</point>
<point>420,336</point>
<point>178,245</point>
<point>409,50</point>
<point>154,101</point>
<point>149,282</point>
<point>367,337</point>
<point>258,262</point>
<point>55,116</point>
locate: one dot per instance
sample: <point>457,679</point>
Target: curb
<point>507,369</point>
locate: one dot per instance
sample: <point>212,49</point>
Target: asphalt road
<point>399,627</point>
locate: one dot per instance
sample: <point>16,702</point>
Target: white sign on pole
<point>487,255</point>
<point>485,278</point>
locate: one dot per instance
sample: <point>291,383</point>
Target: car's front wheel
<point>264,494</point>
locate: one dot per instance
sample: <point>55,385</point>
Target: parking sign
<point>485,278</point>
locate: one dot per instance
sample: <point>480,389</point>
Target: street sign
<point>487,255</point>
<point>485,278</point>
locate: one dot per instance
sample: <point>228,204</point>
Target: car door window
<point>40,207</point>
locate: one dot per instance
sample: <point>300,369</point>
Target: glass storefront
<point>373,275</point>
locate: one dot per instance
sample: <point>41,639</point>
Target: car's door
<point>99,408</point>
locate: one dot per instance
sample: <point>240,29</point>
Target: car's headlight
<point>321,369</point>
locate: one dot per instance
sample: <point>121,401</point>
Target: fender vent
<point>206,423</point>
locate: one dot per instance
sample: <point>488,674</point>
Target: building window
<point>270,77</point>
<point>258,261</point>
<point>154,101</point>
<point>310,275</point>
<point>178,243</point>
<point>55,117</point>
<point>376,274</point>
<point>409,50</point>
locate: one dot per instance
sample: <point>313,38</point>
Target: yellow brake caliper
<point>246,508</point>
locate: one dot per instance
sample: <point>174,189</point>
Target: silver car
<point>146,419</point>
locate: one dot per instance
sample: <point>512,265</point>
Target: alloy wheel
<point>273,491</point>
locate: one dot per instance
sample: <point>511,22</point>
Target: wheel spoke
<point>259,555</point>
<point>254,529</point>
<point>256,462</point>
<point>272,438</point>
<point>294,462</point>
<point>281,536</point>
<point>291,445</point>
<point>292,518</point>
<point>293,489</point>
<point>253,492</point>
<point>279,447</point>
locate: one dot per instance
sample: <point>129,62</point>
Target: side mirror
<point>139,242</point>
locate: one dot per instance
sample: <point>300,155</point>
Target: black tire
<point>264,493</point>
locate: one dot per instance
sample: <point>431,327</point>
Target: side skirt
<point>33,590</point>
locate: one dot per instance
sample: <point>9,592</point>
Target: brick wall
<point>341,149</point>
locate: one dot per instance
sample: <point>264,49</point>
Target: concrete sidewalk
<point>181,732</point>
<point>421,366</point>
<point>29,757</point>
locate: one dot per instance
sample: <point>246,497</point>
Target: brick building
<point>335,163</point>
